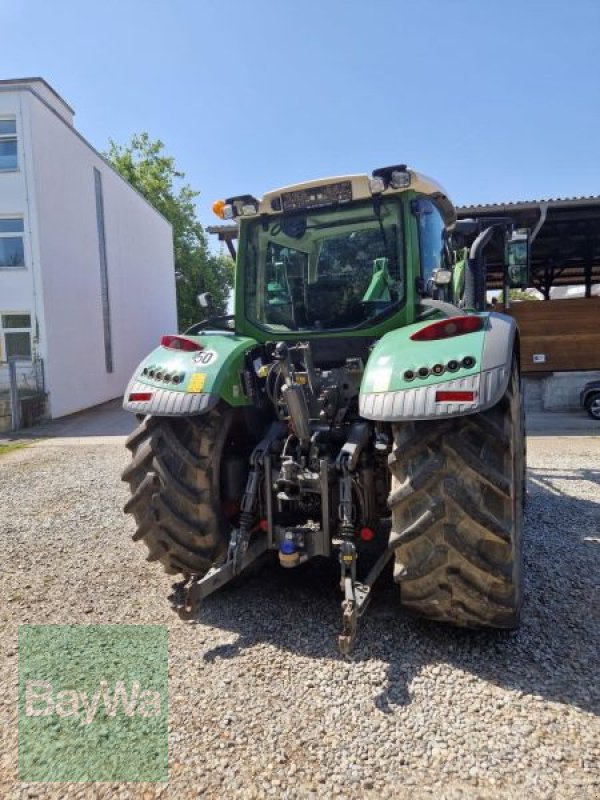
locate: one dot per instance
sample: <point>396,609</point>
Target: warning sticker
<point>196,383</point>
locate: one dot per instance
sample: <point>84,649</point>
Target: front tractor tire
<point>457,506</point>
<point>177,493</point>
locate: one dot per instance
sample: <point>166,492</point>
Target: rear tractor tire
<point>178,494</point>
<point>457,504</point>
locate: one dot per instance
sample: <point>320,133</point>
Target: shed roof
<point>526,205</point>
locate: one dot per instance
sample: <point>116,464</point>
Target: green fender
<point>389,393</point>
<point>173,382</point>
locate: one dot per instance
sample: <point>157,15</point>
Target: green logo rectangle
<point>93,703</point>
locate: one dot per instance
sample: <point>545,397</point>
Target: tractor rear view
<point>360,405</point>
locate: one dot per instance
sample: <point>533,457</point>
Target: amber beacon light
<point>218,208</point>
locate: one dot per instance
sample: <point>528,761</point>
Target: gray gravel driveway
<point>261,704</point>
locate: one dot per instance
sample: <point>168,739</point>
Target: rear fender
<point>181,383</point>
<point>388,393</point>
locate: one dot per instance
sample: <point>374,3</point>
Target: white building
<point>87,280</point>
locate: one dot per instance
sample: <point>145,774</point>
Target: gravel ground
<point>261,704</point>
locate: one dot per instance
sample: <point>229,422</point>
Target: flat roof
<point>16,81</point>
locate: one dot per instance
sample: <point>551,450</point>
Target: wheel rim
<point>595,407</point>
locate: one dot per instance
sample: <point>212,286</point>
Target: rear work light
<point>180,343</point>
<point>455,397</point>
<point>446,328</point>
<point>140,397</point>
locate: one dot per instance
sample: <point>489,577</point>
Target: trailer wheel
<point>179,498</point>
<point>457,504</point>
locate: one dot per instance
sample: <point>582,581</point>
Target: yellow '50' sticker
<point>196,383</point>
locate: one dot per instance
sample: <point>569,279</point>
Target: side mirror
<point>442,277</point>
<point>517,259</point>
<point>205,300</point>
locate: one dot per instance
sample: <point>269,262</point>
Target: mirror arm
<point>540,222</point>
<point>475,278</point>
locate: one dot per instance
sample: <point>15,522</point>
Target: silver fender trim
<point>489,385</point>
<point>420,403</point>
<point>168,403</point>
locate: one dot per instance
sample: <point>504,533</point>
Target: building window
<point>15,336</point>
<point>12,253</point>
<point>8,145</point>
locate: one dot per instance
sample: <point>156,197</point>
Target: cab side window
<point>431,238</point>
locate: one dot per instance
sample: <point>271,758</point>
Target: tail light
<point>180,343</point>
<point>446,328</point>
<point>454,397</point>
<point>139,397</point>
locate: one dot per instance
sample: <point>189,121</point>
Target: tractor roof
<point>360,190</point>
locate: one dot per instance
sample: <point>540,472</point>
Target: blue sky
<point>497,99</point>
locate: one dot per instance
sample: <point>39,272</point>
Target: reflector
<point>454,397</point>
<point>140,397</point>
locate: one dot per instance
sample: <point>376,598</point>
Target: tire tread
<point>173,478</point>
<point>455,488</point>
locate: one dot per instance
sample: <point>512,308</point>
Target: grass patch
<point>11,447</point>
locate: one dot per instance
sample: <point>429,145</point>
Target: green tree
<point>518,294</point>
<point>145,166</point>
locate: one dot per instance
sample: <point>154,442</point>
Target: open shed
<point>566,240</point>
<point>564,335</point>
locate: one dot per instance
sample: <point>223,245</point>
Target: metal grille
<point>22,393</point>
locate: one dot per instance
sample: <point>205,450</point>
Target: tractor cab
<point>344,256</point>
<point>335,256</point>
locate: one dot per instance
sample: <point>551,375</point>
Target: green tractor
<point>361,404</point>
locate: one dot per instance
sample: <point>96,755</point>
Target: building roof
<point>526,205</point>
<point>16,81</point>
<point>28,85</point>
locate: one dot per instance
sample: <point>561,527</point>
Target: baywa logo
<point>93,703</point>
<point>40,701</point>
